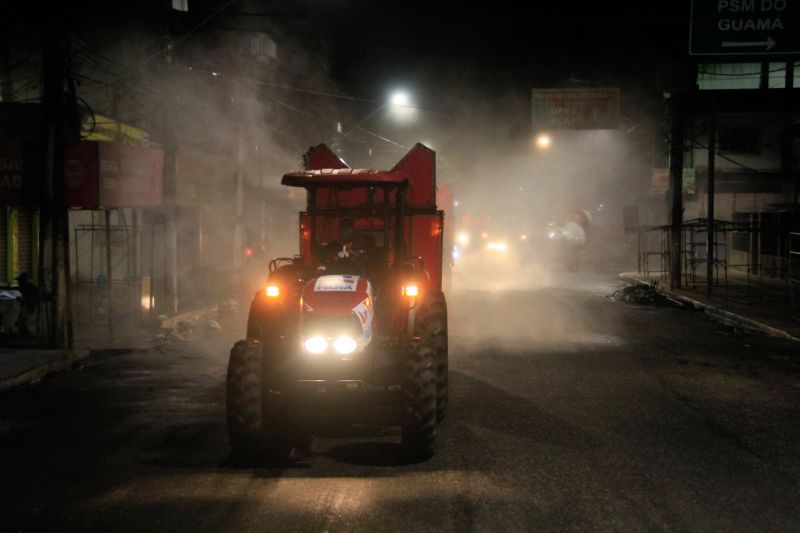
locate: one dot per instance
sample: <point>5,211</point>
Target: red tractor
<point>357,320</point>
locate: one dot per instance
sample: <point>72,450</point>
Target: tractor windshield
<point>354,215</point>
<point>347,240</point>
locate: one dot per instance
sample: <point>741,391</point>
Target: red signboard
<point>575,109</point>
<point>95,175</point>
<point>130,176</point>
<point>660,181</point>
<point>80,175</point>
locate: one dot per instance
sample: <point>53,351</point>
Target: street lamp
<point>543,141</point>
<point>399,103</point>
<point>400,106</point>
<point>400,98</point>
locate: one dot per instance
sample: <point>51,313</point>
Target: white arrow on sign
<point>769,43</point>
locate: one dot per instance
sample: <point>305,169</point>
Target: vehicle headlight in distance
<point>316,344</point>
<point>345,345</point>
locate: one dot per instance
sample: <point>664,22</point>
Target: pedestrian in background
<point>30,302</point>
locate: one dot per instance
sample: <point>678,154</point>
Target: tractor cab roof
<point>345,178</point>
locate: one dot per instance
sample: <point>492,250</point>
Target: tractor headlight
<point>345,345</point>
<point>316,344</point>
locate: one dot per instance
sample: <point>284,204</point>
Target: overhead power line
<point>726,158</point>
<point>191,31</point>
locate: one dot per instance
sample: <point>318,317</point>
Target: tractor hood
<point>338,302</point>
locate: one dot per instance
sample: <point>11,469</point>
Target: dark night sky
<point>499,44</point>
<point>444,54</point>
<point>495,53</point>
<point>373,45</point>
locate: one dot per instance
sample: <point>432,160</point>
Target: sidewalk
<point>26,366</point>
<point>766,311</point>
<point>21,366</point>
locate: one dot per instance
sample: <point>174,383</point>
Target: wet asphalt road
<point>568,412</point>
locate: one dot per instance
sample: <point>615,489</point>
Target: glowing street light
<point>398,103</point>
<point>401,106</point>
<point>400,98</point>
<point>543,140</point>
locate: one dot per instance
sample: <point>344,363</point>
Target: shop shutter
<point>25,240</point>
<point>3,246</point>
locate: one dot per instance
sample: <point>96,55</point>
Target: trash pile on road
<point>643,295</point>
<point>169,335</point>
<point>187,329</point>
<point>229,306</point>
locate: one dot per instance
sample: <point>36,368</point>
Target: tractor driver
<point>342,248</point>
<point>353,245</point>
<point>346,237</point>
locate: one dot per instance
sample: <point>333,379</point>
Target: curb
<point>70,357</point>
<point>716,311</point>
<point>37,373</point>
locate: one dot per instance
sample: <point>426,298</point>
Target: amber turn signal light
<point>273,291</point>
<point>411,291</point>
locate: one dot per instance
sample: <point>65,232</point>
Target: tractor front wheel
<point>243,402</point>
<point>259,423</point>
<point>432,327</point>
<point>419,389</point>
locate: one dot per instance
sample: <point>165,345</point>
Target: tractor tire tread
<point>243,399</point>
<point>419,389</point>
<point>433,327</point>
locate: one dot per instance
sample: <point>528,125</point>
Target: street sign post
<point>575,109</point>
<point>744,27</point>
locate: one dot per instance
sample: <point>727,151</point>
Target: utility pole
<point>787,156</point>
<point>238,228</point>
<point>73,133</point>
<point>54,213</point>
<point>109,272</point>
<point>677,109</point>
<point>710,191</point>
<point>169,145</point>
<point>171,230</point>
<point>6,84</point>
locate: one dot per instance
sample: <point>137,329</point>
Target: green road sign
<point>744,27</point>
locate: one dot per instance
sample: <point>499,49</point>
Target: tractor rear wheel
<point>419,390</point>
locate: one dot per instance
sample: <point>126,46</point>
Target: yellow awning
<point>107,130</point>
